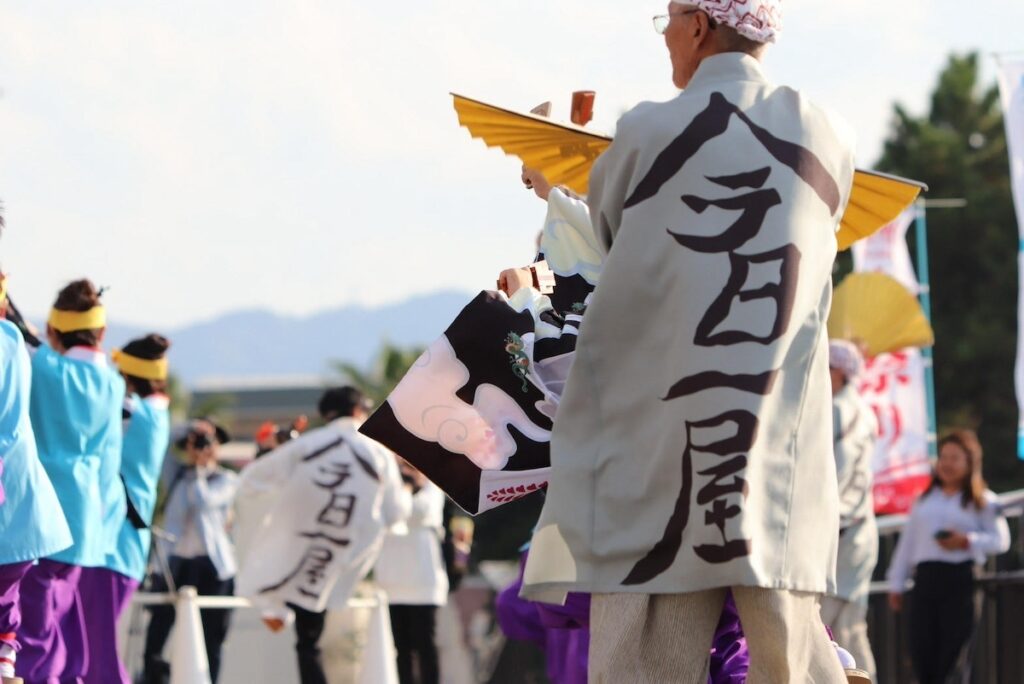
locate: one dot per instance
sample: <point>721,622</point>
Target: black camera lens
<point>200,440</point>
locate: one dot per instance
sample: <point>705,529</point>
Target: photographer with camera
<point>196,516</point>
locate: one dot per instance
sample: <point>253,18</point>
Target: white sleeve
<point>610,180</point>
<point>530,300</point>
<point>845,463</point>
<point>994,537</point>
<point>427,507</point>
<point>396,505</point>
<point>901,565</point>
<point>271,470</point>
<point>213,492</point>
<point>575,210</point>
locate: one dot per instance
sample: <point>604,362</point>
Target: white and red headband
<point>758,20</point>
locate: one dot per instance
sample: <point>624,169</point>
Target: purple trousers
<point>105,594</point>
<point>563,632</point>
<point>52,635</point>
<point>11,576</point>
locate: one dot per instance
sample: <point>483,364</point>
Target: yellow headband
<point>72,321</point>
<point>147,369</point>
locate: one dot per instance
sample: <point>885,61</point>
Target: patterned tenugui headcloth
<point>844,356</point>
<point>759,20</point>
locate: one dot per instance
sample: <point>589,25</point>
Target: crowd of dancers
<point>83,441</point>
<point>705,456</point>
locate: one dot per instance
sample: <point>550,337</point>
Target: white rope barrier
<point>188,649</point>
<point>227,602</point>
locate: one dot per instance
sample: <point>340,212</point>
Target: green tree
<point>959,149</point>
<point>385,372</point>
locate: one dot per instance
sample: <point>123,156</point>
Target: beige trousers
<point>849,624</point>
<point>656,639</point>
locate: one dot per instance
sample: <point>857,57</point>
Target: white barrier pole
<point>188,651</point>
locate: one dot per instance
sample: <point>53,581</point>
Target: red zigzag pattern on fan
<point>506,494</point>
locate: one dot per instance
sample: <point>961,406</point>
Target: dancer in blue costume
<point>76,412</point>
<point>32,524</point>
<point>147,433</point>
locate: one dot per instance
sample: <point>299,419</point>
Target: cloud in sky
<point>202,157</point>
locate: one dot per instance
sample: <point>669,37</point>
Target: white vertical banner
<point>886,252</point>
<point>893,384</point>
<point>1011,88</point>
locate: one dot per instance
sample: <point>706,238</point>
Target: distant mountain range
<point>244,344</point>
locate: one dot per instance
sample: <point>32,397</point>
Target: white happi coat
<point>335,492</point>
<point>693,446</point>
<point>855,428</point>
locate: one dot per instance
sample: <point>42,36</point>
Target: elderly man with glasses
<point>692,450</point>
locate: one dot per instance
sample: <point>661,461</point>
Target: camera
<point>199,440</point>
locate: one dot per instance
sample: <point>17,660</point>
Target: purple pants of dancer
<point>53,638</point>
<point>564,634</point>
<point>105,595</point>
<point>11,576</point>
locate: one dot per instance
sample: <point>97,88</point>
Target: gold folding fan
<point>564,153</point>
<point>877,310</point>
<point>875,201</point>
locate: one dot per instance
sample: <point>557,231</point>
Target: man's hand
<point>956,541</point>
<point>511,280</point>
<point>535,180</point>
<point>895,601</point>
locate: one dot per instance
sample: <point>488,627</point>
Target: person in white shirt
<point>328,497</point>
<point>854,428</point>
<point>196,516</point>
<point>411,571</point>
<point>955,524</point>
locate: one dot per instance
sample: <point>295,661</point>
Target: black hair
<point>152,347</point>
<point>78,295</point>
<point>220,433</point>
<point>341,402</point>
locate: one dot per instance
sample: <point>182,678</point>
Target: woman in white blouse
<point>952,528</point>
<point>410,569</point>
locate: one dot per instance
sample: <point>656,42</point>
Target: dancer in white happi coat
<point>335,494</point>
<point>692,448</point>
<point>854,428</point>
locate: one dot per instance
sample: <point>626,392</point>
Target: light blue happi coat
<point>76,413</point>
<point>32,523</point>
<point>146,438</point>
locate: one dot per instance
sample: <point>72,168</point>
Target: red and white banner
<point>893,384</point>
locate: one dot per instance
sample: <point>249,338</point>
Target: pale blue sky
<point>200,157</point>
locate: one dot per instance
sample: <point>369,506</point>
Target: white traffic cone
<point>188,651</point>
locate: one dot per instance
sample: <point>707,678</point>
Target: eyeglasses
<point>661,21</point>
